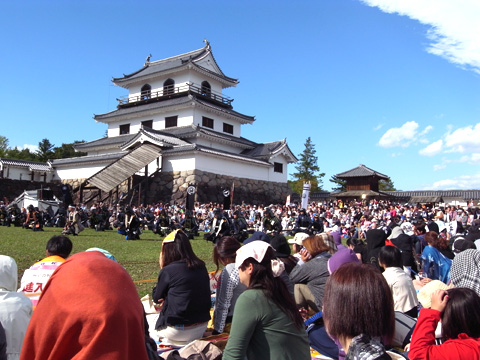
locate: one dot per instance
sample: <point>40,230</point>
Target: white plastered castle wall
<point>23,173</point>
<point>181,79</point>
<point>218,165</point>
<point>79,172</point>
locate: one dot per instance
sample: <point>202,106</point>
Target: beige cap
<point>298,238</point>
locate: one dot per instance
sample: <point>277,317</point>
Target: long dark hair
<point>225,249</point>
<point>361,291</point>
<point>180,249</point>
<point>461,314</point>
<point>273,287</point>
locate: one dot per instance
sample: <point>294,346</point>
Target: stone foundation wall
<point>172,187</point>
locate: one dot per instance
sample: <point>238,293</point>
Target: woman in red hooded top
<point>89,309</point>
<point>459,311</point>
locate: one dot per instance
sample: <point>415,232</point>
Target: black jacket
<point>186,293</point>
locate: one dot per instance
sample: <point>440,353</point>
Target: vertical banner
<point>190,197</point>
<point>232,189</point>
<point>305,194</point>
<point>226,199</point>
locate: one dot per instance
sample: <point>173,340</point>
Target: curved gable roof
<point>196,58</point>
<point>156,137</point>
<point>267,150</point>
<point>361,171</point>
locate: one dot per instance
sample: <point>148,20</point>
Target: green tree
<point>340,185</point>
<point>386,185</point>
<point>307,170</point>
<point>3,146</point>
<point>45,150</point>
<point>24,154</point>
<point>67,151</point>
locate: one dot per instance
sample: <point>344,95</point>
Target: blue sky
<point>394,85</point>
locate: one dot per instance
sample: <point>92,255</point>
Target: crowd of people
<point>358,280</point>
<point>353,218</point>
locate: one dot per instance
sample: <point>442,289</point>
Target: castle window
<point>125,129</point>
<point>228,128</point>
<point>207,122</point>
<point>278,167</point>
<point>168,87</point>
<point>146,92</point>
<point>148,124</point>
<point>206,89</point>
<point>171,121</point>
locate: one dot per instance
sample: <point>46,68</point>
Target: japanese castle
<point>176,128</point>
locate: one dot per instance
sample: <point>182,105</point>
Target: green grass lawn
<point>139,257</point>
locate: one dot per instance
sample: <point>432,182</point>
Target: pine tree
<point>341,185</point>
<point>386,185</point>
<point>307,170</point>
<point>3,146</point>
<point>45,150</point>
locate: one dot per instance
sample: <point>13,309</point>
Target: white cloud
<point>439,167</point>
<point>464,140</point>
<point>475,158</point>
<point>454,26</point>
<point>470,158</point>
<point>378,127</point>
<point>32,148</point>
<point>402,136</point>
<point>432,149</point>
<point>426,130</point>
<point>461,182</point>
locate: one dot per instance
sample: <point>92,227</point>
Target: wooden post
<point>139,194</point>
<point>145,192</point>
<point>81,193</point>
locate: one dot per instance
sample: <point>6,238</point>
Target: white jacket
<point>15,308</point>
<point>403,291</point>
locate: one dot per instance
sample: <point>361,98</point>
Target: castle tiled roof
<point>31,165</point>
<point>89,159</point>
<point>361,171</point>
<point>176,62</point>
<point>104,142</point>
<point>185,100</point>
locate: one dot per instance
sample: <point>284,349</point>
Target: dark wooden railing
<point>145,96</point>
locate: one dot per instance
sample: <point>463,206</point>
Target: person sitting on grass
<point>182,292</point>
<point>358,311</point>
<point>459,311</point>
<point>229,285</point>
<point>266,323</point>
<point>35,278</point>
<point>89,309</point>
<point>310,277</point>
<point>15,308</point>
<point>404,293</point>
